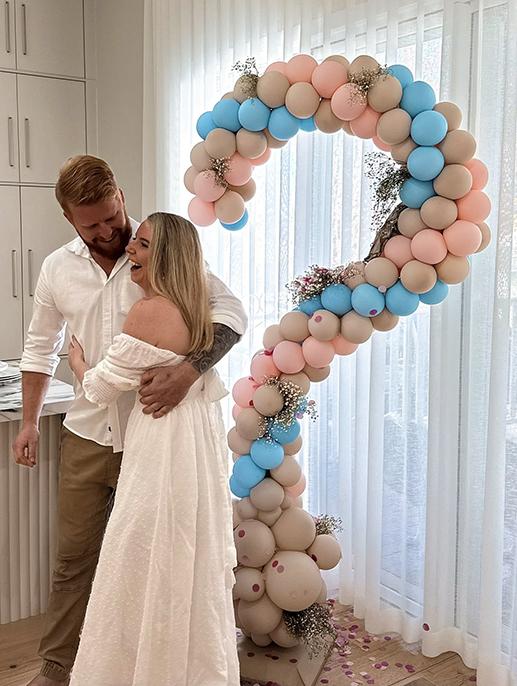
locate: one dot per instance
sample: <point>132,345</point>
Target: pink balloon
<point>277,66</point>
<point>429,246</point>
<point>318,354</point>
<point>462,238</point>
<point>243,391</point>
<point>298,488</point>
<point>239,171</point>
<point>479,173</point>
<point>263,366</point>
<point>300,68</point>
<point>474,207</point>
<point>348,103</point>
<point>398,250</point>
<point>206,187</point>
<point>328,76</point>
<point>342,346</point>
<point>365,125</point>
<point>261,159</point>
<point>200,212</point>
<point>288,357</point>
<point>381,144</point>
<point>236,410</point>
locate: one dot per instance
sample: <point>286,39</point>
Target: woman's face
<point>138,252</point>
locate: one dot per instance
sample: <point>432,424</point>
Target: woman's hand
<point>76,358</point>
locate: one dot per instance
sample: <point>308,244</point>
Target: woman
<point>160,611</point>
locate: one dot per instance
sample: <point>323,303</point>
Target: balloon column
<point>423,247</point>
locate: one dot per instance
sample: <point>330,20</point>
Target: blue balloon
<point>282,124</point>
<point>402,73</point>
<point>226,114</point>
<point>238,489</point>
<point>307,124</point>
<point>417,97</point>
<point>285,435</point>
<point>266,454</point>
<point>401,301</point>
<point>438,292</point>
<point>413,193</point>
<point>337,299</point>
<point>429,128</point>
<point>310,306</point>
<point>247,473</point>
<point>205,124</point>
<point>237,225</point>
<point>254,115</point>
<point>425,163</point>
<point>367,300</point>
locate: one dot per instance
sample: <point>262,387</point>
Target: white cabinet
<point>51,124</point>
<point>44,229</point>
<point>7,35</point>
<point>9,169</point>
<point>11,274</point>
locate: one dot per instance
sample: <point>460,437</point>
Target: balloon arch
<point>422,247</point>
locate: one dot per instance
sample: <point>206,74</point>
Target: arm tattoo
<point>224,340</point>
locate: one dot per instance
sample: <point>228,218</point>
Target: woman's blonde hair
<point>177,272</point>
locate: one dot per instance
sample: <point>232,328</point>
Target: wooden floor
<point>359,658</point>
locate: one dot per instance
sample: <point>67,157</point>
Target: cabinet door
<point>44,229</point>
<point>9,170</point>
<point>10,274</point>
<point>7,35</point>
<point>52,125</point>
<point>50,36</point>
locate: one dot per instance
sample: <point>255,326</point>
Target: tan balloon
<point>300,379</point>
<point>401,151</point>
<point>272,336</point>
<point>293,580</point>
<point>451,112</point>
<point>486,236</point>
<point>453,182</point>
<point>355,328</point>
<point>458,147</point>
<point>254,543</point>
<point>338,58</point>
<point>286,502</point>
<point>294,447</point>
<point>235,457</point>
<point>381,272</point>
<point>316,374</point>
<point>241,90</point>
<point>270,517</point>
<point>273,142</point>
<point>200,158</point>
<point>325,119</point>
<point>322,598</point>
<point>250,424</point>
<point>294,530</point>
<point>385,321</point>
<point>250,143</point>
<point>302,100</point>
<point>325,551</point>
<point>358,278</point>
<point>418,277</point>
<point>267,495</point>
<point>294,326</point>
<point>246,509</point>
<point>439,213</point>
<point>220,143</point>
<point>385,94</point>
<point>246,191</point>
<point>249,584</point>
<point>260,616</point>
<point>288,473</point>
<point>282,637</point>
<point>347,129</point>
<point>261,640</point>
<point>453,269</point>
<point>230,207</point>
<point>394,126</point>
<point>236,518</point>
<point>324,325</point>
<point>268,400</point>
<point>237,443</point>
<point>188,179</point>
<point>410,222</point>
<point>272,88</point>
<point>362,63</point>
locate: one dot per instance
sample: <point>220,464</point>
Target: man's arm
<point>34,390</point>
<point>224,340</point>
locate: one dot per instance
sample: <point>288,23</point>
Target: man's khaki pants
<point>88,475</point>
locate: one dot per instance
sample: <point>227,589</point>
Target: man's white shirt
<point>74,290</point>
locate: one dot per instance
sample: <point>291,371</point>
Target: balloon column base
<point>281,666</point>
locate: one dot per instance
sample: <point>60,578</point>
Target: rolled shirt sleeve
<point>227,309</point>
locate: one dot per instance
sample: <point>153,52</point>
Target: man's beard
<point>117,247</point>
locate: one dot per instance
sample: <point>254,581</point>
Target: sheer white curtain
<point>415,447</point>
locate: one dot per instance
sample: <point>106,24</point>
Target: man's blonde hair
<point>85,180</point>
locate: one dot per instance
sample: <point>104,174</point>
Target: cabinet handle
<point>27,143</point>
<point>10,141</point>
<point>7,28</point>
<point>29,264</point>
<point>24,29</point>
<point>13,274</point>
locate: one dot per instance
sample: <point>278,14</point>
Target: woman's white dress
<point>160,612</point>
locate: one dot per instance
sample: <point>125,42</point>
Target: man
<point>86,285</point>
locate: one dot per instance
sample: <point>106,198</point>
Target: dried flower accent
<point>312,283</point>
<point>295,404</point>
<point>220,167</point>
<point>365,79</point>
<point>353,274</point>
<point>328,524</point>
<point>248,66</point>
<point>312,626</point>
<point>386,231</point>
<point>386,178</point>
<point>249,76</point>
